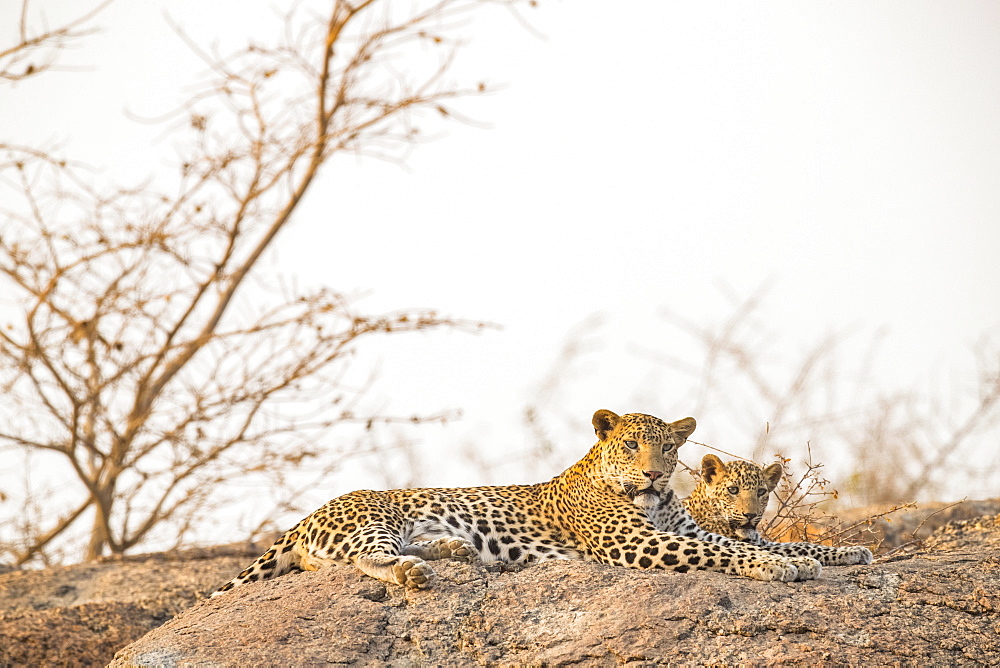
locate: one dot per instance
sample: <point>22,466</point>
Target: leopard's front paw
<point>855,555</point>
<point>412,572</point>
<point>442,548</point>
<point>457,548</point>
<point>778,570</point>
<point>785,569</point>
<point>808,568</point>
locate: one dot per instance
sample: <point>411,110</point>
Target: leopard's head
<point>636,453</point>
<point>736,494</point>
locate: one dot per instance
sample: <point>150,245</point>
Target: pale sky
<point>637,157</point>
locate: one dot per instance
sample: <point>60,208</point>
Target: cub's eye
<point>733,489</point>
<point>631,445</point>
<point>762,491</point>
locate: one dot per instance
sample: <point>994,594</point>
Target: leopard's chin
<point>646,498</point>
<point>634,492</point>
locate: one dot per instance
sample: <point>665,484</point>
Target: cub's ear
<point>683,428</point>
<point>711,468</point>
<point>605,422</point>
<point>772,476</point>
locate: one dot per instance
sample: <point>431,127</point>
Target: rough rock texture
<point>81,615</point>
<point>940,606</point>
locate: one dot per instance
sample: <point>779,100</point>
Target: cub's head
<point>737,494</point>
<point>636,454</point>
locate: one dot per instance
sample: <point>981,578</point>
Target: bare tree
<point>37,46</point>
<point>139,369</point>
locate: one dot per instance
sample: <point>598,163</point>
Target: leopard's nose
<point>653,475</point>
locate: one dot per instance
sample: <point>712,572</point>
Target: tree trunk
<point>98,539</point>
<point>98,536</point>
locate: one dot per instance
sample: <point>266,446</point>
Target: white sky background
<point>638,157</point>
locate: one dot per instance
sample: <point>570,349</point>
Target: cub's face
<point>739,492</point>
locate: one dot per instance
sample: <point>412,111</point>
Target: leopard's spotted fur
<point>595,510</point>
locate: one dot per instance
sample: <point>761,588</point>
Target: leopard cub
<point>730,499</point>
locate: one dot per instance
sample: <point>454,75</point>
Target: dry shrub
<point>805,511</point>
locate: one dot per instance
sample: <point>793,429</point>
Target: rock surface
<point>940,606</point>
<point>81,615</point>
<point>933,602</point>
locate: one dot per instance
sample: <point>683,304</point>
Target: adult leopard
<point>595,510</point>
<point>730,499</point>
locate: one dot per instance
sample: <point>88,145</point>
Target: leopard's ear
<point>683,428</point>
<point>772,476</point>
<point>711,468</point>
<point>605,422</point>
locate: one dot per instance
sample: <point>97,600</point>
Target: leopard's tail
<point>280,558</point>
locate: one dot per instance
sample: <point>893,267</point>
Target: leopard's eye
<point>631,445</point>
<point>733,489</point>
<point>762,491</point>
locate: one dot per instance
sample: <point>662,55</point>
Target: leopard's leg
<point>824,554</point>
<point>806,568</point>
<point>375,550</point>
<point>443,548</point>
<point>763,565</point>
<point>653,549</point>
<point>368,532</point>
<point>363,528</point>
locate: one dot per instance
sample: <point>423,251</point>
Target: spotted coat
<point>597,510</point>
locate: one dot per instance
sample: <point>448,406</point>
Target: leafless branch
<point>37,50</point>
<point>141,358</point>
